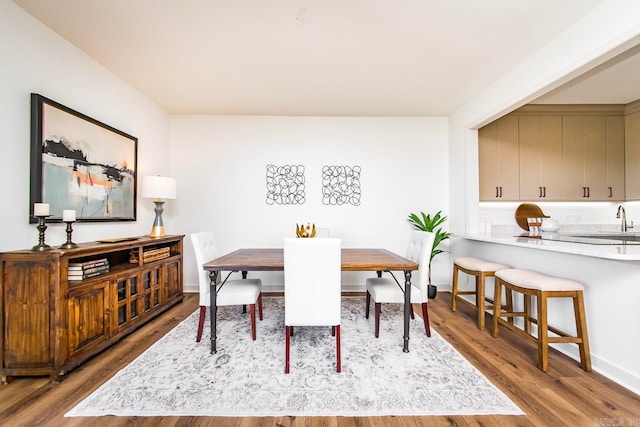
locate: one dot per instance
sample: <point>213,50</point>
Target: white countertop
<point>630,252</point>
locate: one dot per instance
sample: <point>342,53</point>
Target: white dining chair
<point>388,290</point>
<point>231,292</point>
<point>312,288</point>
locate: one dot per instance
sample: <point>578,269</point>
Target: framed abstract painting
<point>80,163</point>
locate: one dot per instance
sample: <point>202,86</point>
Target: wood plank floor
<point>565,395</point>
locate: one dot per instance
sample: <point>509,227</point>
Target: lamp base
<point>157,231</point>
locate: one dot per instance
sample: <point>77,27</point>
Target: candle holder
<point>69,244</point>
<point>42,226</point>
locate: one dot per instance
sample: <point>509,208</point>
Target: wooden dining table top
<point>272,259</point>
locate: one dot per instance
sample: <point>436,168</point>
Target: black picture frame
<point>80,163</point>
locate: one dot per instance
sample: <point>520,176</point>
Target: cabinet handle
<point>584,192</point>
<point>610,191</point>
<point>500,192</point>
<point>544,191</point>
<point>497,193</point>
<point>539,191</point>
<point>588,192</point>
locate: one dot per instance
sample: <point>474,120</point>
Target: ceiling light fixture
<point>303,14</point>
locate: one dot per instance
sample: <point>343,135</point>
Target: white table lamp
<point>158,188</point>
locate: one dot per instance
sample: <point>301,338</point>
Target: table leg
<point>407,309</point>
<point>213,277</point>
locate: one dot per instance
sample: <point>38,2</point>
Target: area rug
<point>177,376</point>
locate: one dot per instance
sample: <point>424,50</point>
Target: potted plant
<point>426,222</point>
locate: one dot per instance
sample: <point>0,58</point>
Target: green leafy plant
<point>426,222</point>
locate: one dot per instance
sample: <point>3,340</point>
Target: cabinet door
<point>615,159</point>
<point>584,158</point>
<point>174,279</point>
<point>498,160</point>
<point>89,317</point>
<point>632,155</point>
<point>540,143</point>
<point>28,310</point>
<point>152,289</point>
<point>127,301</point>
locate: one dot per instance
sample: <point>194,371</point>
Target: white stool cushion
<point>533,280</point>
<point>478,264</point>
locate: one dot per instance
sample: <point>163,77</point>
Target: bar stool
<point>481,269</point>
<point>542,287</point>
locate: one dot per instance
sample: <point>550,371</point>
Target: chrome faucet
<point>623,225</point>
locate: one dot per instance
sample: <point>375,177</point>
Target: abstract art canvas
<point>82,164</point>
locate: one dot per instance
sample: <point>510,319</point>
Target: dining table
<point>272,259</point>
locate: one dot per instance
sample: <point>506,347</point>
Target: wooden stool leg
<point>581,331</point>
<point>508,294</point>
<point>454,288</point>
<point>480,282</point>
<point>497,306</point>
<point>543,332</point>
<point>527,313</point>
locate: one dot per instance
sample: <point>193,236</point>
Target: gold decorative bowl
<point>308,230</point>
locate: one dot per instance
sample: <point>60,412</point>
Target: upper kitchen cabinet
<point>560,153</point>
<point>616,187</point>
<point>540,144</point>
<point>593,156</point>
<point>498,160</point>
<point>584,158</point>
<point>632,150</point>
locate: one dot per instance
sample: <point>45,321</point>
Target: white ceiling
<point>352,58</point>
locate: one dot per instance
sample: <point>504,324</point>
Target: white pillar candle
<point>68,215</point>
<point>40,209</point>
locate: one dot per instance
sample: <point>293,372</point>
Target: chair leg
<point>286,350</point>
<point>367,304</point>
<point>252,313</point>
<point>203,313</point>
<point>454,288</point>
<point>425,318</point>
<point>333,331</point>
<point>377,316</point>
<point>338,359</point>
<point>413,315</point>
<point>260,305</point>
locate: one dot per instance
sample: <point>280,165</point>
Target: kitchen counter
<point>610,274</point>
<point>626,252</point>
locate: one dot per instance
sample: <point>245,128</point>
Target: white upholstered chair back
<point>312,281</point>
<point>204,246</point>
<point>419,251</point>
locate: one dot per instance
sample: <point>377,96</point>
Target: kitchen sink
<point>627,237</point>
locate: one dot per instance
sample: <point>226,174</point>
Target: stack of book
<point>87,269</point>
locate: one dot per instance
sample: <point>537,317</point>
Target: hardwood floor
<point>566,395</point>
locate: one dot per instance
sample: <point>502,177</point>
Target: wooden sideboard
<point>51,324</point>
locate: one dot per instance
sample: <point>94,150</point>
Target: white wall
<point>220,166</point>
<point>35,59</point>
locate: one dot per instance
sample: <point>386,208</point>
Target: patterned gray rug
<point>177,376</point>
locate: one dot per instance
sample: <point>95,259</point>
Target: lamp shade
<point>158,187</point>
